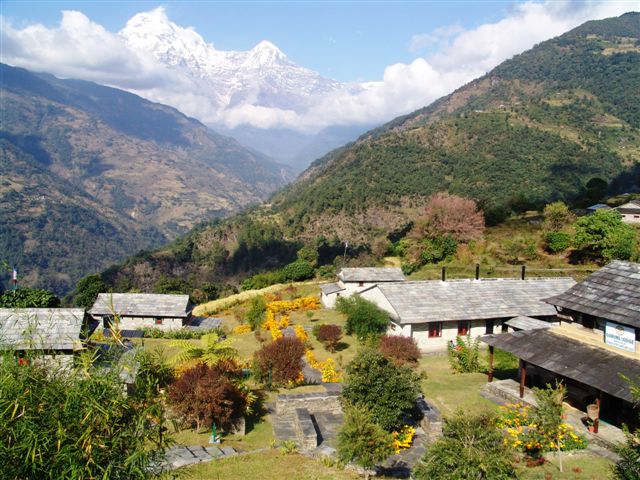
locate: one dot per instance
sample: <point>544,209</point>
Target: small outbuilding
<point>140,310</point>
<point>354,280</point>
<point>630,211</point>
<point>55,334</point>
<point>436,312</point>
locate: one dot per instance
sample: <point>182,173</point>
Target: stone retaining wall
<point>313,402</point>
<point>305,430</point>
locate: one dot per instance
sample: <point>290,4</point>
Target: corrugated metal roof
<point>41,328</point>
<point>142,305</point>
<point>613,292</point>
<point>527,323</point>
<point>436,301</point>
<point>371,274</point>
<point>570,358</point>
<point>330,288</point>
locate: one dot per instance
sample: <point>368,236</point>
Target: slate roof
<point>330,288</point>
<point>436,301</point>
<point>599,206</point>
<point>527,323</point>
<point>142,305</point>
<point>570,358</point>
<point>41,328</point>
<point>613,293</point>
<point>371,274</point>
<point>630,207</point>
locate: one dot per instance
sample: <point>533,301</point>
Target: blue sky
<point>348,41</point>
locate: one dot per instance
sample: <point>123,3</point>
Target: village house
<point>54,334</point>
<point>630,211</point>
<point>595,342</point>
<point>354,280</point>
<point>434,313</point>
<point>139,310</point>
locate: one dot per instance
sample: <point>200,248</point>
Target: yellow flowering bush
<point>311,358</point>
<point>328,370</point>
<point>301,333</point>
<point>402,439</point>
<point>296,382</point>
<point>246,328</point>
<point>523,434</point>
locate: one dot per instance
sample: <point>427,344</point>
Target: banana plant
<point>210,349</point>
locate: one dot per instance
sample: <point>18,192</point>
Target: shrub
<point>628,467</point>
<point>154,373</point>
<point>362,441</point>
<point>400,350</point>
<point>464,356</point>
<point>87,290</point>
<point>75,423</point>
<point>256,313</point>
<point>262,280</point>
<point>604,236</point>
<point>471,447</point>
<point>204,394</point>
<point>363,317</point>
<point>328,335</point>
<point>297,271</point>
<point>557,216</point>
<point>387,390</point>
<point>29,298</point>
<point>171,286</point>
<point>279,362</point>
<point>555,242</point>
<point>437,249</point>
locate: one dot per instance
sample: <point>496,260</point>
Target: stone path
<point>181,456</point>
<point>311,375</point>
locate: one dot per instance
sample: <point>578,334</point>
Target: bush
<point>362,441</point>
<point>437,249</point>
<point>329,336</point>
<point>297,271</point>
<point>471,447</point>
<point>557,217</point>
<point>464,356</point>
<point>279,362</point>
<point>87,290</point>
<point>205,394</point>
<point>263,280</point>
<point>604,236</point>
<point>363,317</point>
<point>171,286</point>
<point>75,423</point>
<point>555,242</point>
<point>256,313</point>
<point>154,373</point>
<point>386,390</point>
<point>29,298</point>
<point>400,350</point>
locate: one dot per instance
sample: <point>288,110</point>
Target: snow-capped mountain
<point>262,76</point>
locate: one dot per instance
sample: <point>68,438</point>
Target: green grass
<point>581,466</point>
<point>269,465</point>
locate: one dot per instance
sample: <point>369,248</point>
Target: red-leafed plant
<point>279,362</point>
<point>204,394</point>
<point>329,336</point>
<point>400,350</point>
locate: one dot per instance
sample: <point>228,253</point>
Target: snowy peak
<point>266,53</point>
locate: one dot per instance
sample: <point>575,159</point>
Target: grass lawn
<point>580,466</point>
<point>269,465</point>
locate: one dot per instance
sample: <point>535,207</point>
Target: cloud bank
<point>446,58</point>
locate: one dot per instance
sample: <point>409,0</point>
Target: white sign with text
<point>620,336</point>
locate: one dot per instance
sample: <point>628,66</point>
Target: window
<point>107,321</point>
<point>489,328</point>
<point>361,284</point>
<point>158,321</point>
<point>435,329</point>
<point>463,327</point>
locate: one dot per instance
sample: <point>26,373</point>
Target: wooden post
<point>490,363</point>
<point>444,274</point>
<point>523,272</point>
<point>477,271</point>
<point>596,422</point>
<point>523,376</point>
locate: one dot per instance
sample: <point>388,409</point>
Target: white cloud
<point>80,48</point>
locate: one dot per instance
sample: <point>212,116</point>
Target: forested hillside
<point>547,125</point>
<point>92,174</point>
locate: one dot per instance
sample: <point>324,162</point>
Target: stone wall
<point>313,402</point>
<point>306,433</point>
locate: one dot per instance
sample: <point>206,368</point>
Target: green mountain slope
<point>120,173</point>
<point>535,129</point>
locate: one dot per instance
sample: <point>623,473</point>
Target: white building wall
<point>135,323</point>
<point>630,218</point>
<point>420,333</point>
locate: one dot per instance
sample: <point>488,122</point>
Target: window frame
<point>464,325</point>
<point>435,332</point>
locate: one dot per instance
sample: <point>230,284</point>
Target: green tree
<point>364,318</point>
<point>471,447</point>
<point>547,415</point>
<point>362,441</point>
<point>29,298</point>
<point>76,423</point>
<point>388,391</point>
<point>604,236</point>
<point>256,313</point>
<point>297,271</point>
<point>87,291</point>
<point>557,216</point>
<point>628,467</point>
<point>171,286</point>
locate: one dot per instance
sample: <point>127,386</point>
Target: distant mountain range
<point>535,129</point>
<point>91,174</point>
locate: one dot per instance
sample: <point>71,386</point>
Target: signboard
<point>620,336</point>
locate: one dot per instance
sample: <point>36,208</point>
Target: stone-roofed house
<point>140,310</point>
<point>436,312</point>
<point>630,211</point>
<point>54,333</point>
<point>595,341</point>
<point>354,280</point>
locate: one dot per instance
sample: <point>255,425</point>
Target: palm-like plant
<point>210,349</point>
